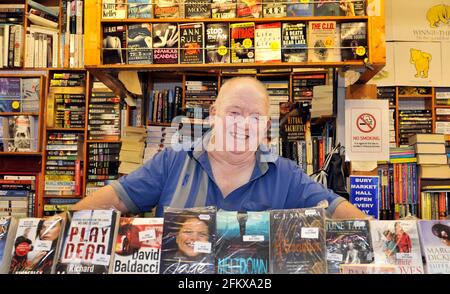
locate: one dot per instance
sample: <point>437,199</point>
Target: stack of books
<point>132,149</point>
<point>322,101</point>
<point>158,138</point>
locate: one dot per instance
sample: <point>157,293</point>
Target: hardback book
<point>323,42</point>
<point>249,9</point>
<point>348,242</point>
<point>197,9</point>
<point>88,243</point>
<point>354,41</point>
<point>36,245</point>
<point>435,241</point>
<point>139,44</point>
<point>114,9</point>
<point>188,244</point>
<point>294,46</point>
<point>268,42</point>
<point>242,42</point>
<point>165,43</point>
<point>223,8</point>
<point>272,8</point>
<point>8,226</point>
<point>299,8</point>
<point>138,246</point>
<point>192,43</point>
<point>114,44</point>
<point>243,242</point>
<point>168,9</point>
<point>297,241</point>
<point>140,9</point>
<point>217,43</point>
<point>397,243</point>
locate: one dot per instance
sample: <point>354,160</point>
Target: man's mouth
<point>239,136</point>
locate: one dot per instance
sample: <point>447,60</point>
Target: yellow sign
<point>15,104</point>
<point>360,51</point>
<point>222,50</point>
<point>247,43</point>
<point>329,42</point>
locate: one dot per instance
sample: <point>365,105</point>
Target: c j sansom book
<point>242,242</point>
<point>188,242</point>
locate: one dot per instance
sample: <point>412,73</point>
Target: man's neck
<point>238,159</point>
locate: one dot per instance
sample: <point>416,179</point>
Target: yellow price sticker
<point>222,50</point>
<point>15,105</point>
<point>275,45</point>
<point>247,43</point>
<point>328,42</point>
<point>360,51</point>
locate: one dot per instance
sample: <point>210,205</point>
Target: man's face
<point>241,120</point>
<point>192,230</point>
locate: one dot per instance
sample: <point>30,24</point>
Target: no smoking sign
<point>366,123</point>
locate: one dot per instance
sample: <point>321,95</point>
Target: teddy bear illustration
<point>421,60</point>
<point>438,13</point>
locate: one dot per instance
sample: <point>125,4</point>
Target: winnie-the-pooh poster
<point>417,63</point>
<point>431,20</point>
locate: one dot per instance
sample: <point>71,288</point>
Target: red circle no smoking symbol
<point>366,123</point>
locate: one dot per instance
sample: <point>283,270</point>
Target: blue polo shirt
<point>184,179</point>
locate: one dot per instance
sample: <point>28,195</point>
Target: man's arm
<point>346,210</point>
<point>104,198</point>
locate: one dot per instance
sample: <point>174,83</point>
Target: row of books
<point>115,9</point>
<point>164,104</point>
<point>199,43</point>
<point>442,114</point>
<point>11,44</point>
<point>412,122</point>
<point>294,241</point>
<point>17,195</point>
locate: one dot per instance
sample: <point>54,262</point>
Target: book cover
<point>242,42</point>
<point>273,9</point>
<point>435,243</point>
<point>354,41</point>
<point>348,242</point>
<point>88,243</point>
<point>189,238</point>
<point>323,41</point>
<point>297,241</point>
<point>191,43</point>
<point>268,42</point>
<point>139,44</point>
<point>114,9</point>
<point>242,242</point>
<point>167,9</point>
<point>197,9</point>
<point>35,245</point>
<point>8,227</point>
<point>114,45</point>
<point>299,8</point>
<point>140,9</point>
<point>138,246</point>
<point>31,88</point>
<point>223,8</point>
<point>327,8</point>
<point>10,95</point>
<point>397,243</point>
<point>217,43</point>
<point>20,133</point>
<point>294,47</point>
<point>249,8</point>
<point>165,43</point>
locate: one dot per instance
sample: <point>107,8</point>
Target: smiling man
<point>229,168</point>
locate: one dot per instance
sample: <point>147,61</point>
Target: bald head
<point>247,89</point>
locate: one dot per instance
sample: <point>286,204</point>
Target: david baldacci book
<point>35,245</point>
<point>138,246</point>
<point>88,244</point>
<point>189,238</point>
<point>242,242</point>
<point>297,241</point>
<point>397,243</point>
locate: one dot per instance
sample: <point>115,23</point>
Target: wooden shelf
<point>428,96</point>
<point>234,20</point>
<point>159,124</point>
<point>63,196</point>
<point>19,113</point>
<point>53,68</point>
<point>103,141</point>
<point>441,106</point>
<point>66,129</point>
<point>25,153</point>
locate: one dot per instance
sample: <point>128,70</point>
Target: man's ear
<point>212,114</point>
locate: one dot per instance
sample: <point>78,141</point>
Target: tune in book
<point>243,242</point>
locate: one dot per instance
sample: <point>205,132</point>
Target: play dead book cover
<point>88,243</point>
<point>242,242</point>
<point>188,244</point>
<point>35,245</point>
<point>138,246</point>
<point>348,242</point>
<point>397,243</point>
<point>297,241</point>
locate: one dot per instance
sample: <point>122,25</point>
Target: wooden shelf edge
<point>21,153</point>
<point>63,196</point>
<point>66,129</point>
<point>19,113</point>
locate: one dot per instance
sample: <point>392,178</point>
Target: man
<point>229,168</point>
